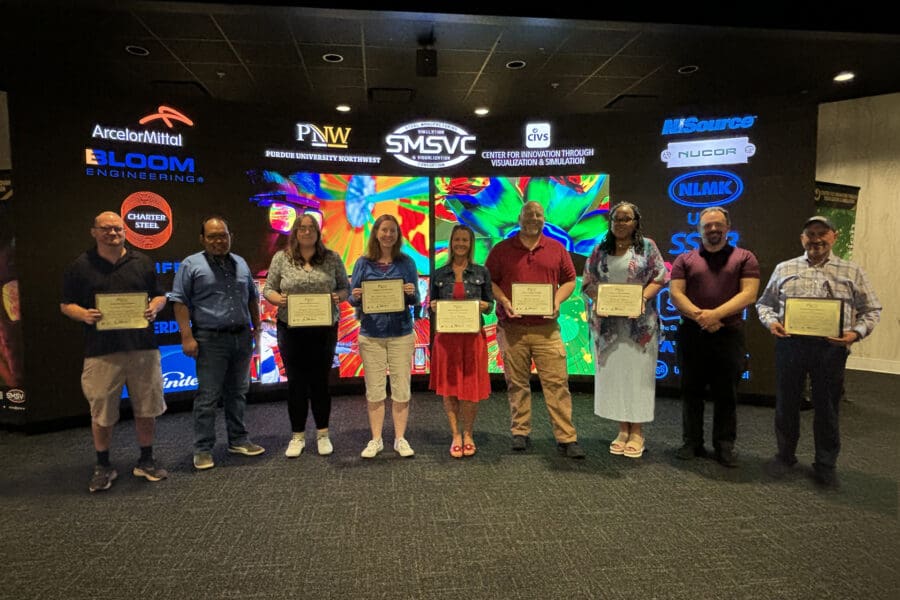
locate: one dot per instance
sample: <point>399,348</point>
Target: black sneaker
<point>571,450</point>
<point>826,478</point>
<point>102,478</point>
<point>806,404</point>
<point>726,457</point>
<point>520,443</point>
<point>688,452</point>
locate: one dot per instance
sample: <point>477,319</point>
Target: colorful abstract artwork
<point>347,206</point>
<point>575,211</point>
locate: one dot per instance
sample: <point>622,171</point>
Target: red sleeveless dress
<point>459,362</point>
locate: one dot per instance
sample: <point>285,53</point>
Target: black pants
<point>307,354</point>
<point>715,360</point>
<point>825,363</point>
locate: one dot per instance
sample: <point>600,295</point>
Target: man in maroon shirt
<point>711,286</point>
<point>530,257</point>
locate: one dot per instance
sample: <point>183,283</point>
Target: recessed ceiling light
<point>342,108</point>
<point>844,76</point>
<point>482,110</point>
<point>331,57</point>
<point>136,50</point>
<point>516,65</point>
<point>688,69</point>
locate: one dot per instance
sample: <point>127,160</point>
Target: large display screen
<point>575,213</point>
<point>347,206</point>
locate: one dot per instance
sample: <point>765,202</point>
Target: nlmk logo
<point>700,189</point>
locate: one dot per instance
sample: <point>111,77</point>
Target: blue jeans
<point>223,373</point>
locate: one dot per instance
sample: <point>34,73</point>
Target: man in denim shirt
<point>216,302</point>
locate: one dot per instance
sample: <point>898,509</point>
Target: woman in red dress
<point>459,370</point>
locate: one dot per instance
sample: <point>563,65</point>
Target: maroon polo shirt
<point>511,262</point>
<point>713,278</point>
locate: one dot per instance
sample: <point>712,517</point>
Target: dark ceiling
<point>273,55</point>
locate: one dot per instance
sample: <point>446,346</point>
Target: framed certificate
<point>532,299</point>
<point>457,316</point>
<point>619,299</point>
<point>121,311</point>
<point>822,317</point>
<point>309,310</point>
<point>383,296</point>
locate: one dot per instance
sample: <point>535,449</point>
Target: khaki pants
<point>380,355</point>
<point>519,345</point>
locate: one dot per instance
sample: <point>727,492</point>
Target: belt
<point>233,329</point>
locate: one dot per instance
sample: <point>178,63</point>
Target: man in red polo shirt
<point>531,257</point>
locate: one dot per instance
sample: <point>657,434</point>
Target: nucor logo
<point>700,189</point>
<point>430,144</point>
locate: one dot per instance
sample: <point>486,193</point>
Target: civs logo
<point>537,135</point>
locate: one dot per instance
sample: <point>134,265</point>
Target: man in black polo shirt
<point>117,357</point>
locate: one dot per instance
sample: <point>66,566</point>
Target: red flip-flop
<point>469,450</point>
<point>456,451</point>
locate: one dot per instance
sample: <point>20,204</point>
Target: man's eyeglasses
<point>624,220</point>
<point>110,229</point>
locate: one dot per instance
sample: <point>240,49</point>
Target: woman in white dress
<point>625,348</point>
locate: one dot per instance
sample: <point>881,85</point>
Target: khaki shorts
<point>103,377</point>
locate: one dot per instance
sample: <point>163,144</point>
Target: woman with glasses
<point>459,361</point>
<point>386,337</point>
<point>625,347</point>
<point>306,266</point>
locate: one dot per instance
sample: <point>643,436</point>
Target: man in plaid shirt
<point>816,274</point>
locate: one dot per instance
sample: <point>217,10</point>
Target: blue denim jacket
<point>476,280</point>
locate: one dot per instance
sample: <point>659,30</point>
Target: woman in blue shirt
<point>386,340</point>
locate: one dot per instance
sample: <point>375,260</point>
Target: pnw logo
<point>324,136</point>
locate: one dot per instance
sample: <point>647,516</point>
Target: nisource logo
<point>700,189</point>
<point>694,125</point>
<point>138,165</point>
<point>148,220</point>
<point>430,144</point>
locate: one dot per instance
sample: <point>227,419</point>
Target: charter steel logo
<point>165,114</point>
<point>694,125</point>
<point>704,153</point>
<point>430,144</point>
<point>325,136</point>
<point>148,220</point>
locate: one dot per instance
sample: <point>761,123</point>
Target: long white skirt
<point>625,386</point>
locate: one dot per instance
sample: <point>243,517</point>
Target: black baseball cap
<point>820,219</point>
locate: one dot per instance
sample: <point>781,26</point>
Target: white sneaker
<point>402,447</point>
<point>324,444</point>
<point>372,448</point>
<point>296,445</point>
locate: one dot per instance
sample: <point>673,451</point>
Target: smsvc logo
<point>430,144</point>
<point>325,136</point>
<point>537,135</point>
<point>695,125</point>
<point>703,153</point>
<point>700,189</point>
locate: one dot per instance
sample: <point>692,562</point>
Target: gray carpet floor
<point>496,525</point>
